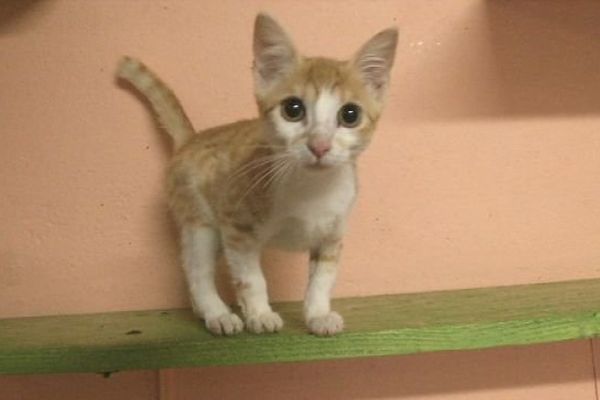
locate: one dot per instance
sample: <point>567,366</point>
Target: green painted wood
<point>375,326</point>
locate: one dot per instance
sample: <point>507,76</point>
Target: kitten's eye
<point>292,109</point>
<point>349,115</point>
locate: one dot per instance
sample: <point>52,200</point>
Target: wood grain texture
<point>375,326</point>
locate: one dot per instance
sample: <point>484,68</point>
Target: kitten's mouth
<point>318,165</point>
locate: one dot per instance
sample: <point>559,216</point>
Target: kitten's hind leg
<point>200,246</point>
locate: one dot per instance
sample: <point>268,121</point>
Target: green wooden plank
<point>375,326</point>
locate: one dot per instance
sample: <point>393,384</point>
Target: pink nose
<point>319,147</point>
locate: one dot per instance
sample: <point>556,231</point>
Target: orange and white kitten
<point>286,179</point>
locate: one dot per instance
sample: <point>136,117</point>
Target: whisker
<point>290,166</point>
<point>281,167</point>
<point>262,146</point>
<point>265,175</point>
<point>246,168</point>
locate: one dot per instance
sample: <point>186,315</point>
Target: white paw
<point>265,322</point>
<point>326,325</point>
<point>225,324</point>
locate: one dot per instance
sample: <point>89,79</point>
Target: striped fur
<point>169,112</point>
<point>237,188</point>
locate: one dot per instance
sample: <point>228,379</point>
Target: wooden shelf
<point>375,326</point>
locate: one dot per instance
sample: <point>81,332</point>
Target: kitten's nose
<point>319,147</point>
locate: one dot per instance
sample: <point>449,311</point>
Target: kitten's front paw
<point>326,325</point>
<point>224,324</point>
<point>265,322</point>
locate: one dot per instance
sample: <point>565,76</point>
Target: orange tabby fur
<point>239,187</point>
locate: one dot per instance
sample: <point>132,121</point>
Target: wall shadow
<point>547,55</point>
<point>17,15</point>
<point>507,58</point>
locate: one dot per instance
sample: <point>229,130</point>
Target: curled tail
<point>168,110</point>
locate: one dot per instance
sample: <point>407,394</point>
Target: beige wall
<point>484,172</point>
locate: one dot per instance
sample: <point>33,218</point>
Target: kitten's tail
<point>169,111</point>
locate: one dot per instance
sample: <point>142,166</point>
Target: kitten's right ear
<point>274,53</point>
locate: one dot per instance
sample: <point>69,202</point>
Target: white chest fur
<point>310,206</point>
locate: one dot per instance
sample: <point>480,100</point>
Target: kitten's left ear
<point>374,60</point>
<point>274,53</point>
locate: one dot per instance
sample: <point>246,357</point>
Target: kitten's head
<point>321,112</point>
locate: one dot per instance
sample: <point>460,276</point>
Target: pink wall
<point>483,172</point>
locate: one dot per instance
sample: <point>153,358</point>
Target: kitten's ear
<point>274,53</point>
<point>374,60</point>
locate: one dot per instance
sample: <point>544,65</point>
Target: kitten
<point>286,179</point>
